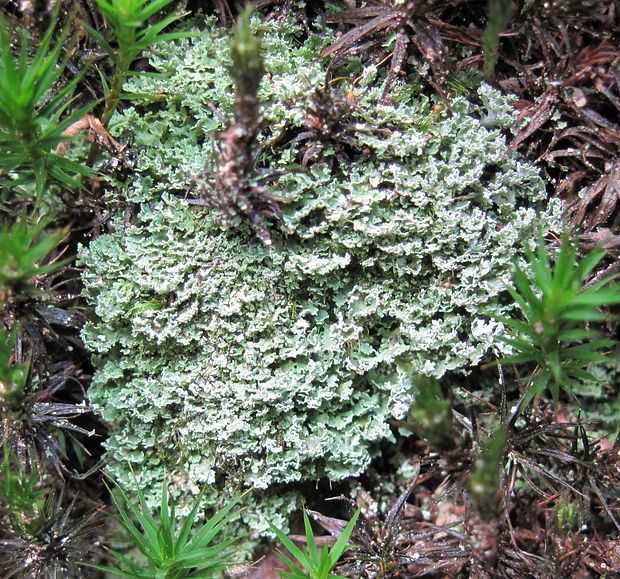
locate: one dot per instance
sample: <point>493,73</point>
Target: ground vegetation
<point>364,252</point>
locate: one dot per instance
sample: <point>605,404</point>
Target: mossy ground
<point>226,364</point>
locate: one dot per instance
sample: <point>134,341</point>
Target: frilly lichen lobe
<point>262,367</point>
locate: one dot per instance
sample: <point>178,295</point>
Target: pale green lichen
<point>232,365</point>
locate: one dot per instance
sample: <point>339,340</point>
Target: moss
<point>263,367</point>
<point>598,401</point>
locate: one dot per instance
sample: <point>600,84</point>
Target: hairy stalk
<point>236,142</point>
<point>234,189</point>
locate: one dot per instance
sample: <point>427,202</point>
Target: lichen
<point>229,364</point>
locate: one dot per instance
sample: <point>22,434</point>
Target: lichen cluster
<point>231,364</point>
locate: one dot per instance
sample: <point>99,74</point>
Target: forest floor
<point>555,510</point>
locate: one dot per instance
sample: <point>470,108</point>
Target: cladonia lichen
<point>229,364</point>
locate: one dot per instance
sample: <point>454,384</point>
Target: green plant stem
<point>129,22</point>
<point>111,100</point>
<point>114,96</point>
